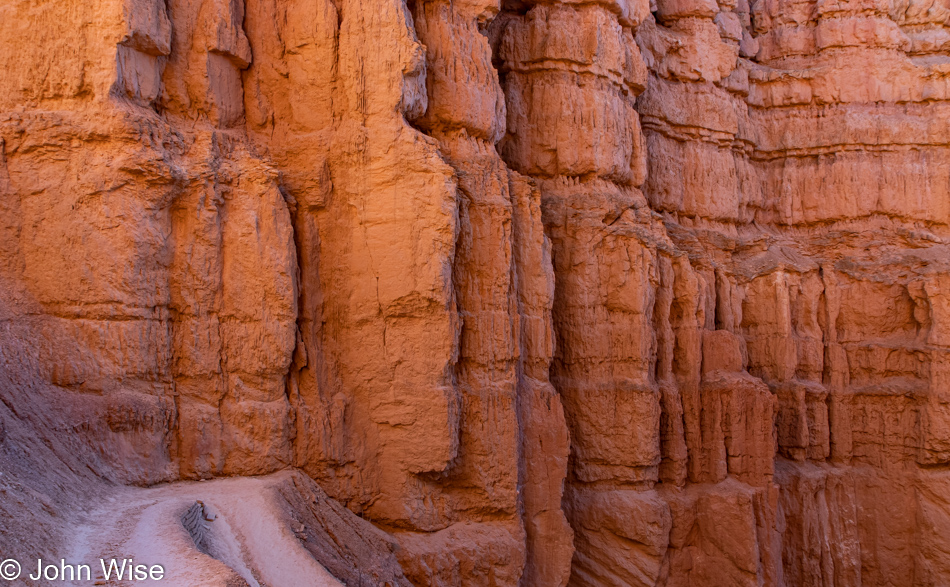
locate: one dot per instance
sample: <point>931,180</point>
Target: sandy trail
<point>225,532</point>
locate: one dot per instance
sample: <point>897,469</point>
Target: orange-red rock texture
<point>538,293</point>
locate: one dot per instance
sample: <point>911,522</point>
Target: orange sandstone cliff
<point>469,293</point>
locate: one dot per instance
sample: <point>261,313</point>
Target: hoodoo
<point>475,293</point>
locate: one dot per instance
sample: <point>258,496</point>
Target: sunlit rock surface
<point>536,293</point>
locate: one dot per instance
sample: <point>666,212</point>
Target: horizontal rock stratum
<point>469,293</point>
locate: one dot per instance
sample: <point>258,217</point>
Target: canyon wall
<point>552,293</point>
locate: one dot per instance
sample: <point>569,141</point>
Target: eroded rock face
<point>552,293</point>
